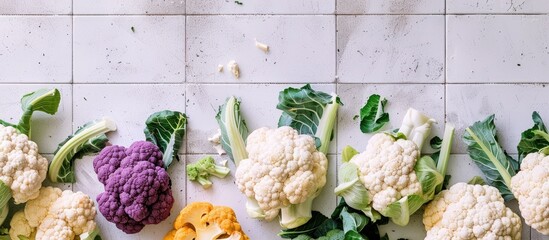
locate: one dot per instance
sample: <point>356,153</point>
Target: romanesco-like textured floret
<point>470,212</point>
<point>283,168</point>
<point>531,188</point>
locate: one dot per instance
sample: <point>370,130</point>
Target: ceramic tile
<point>261,7</point>
<point>428,98</point>
<point>382,49</point>
<point>390,7</point>
<point>36,7</point>
<point>204,100</point>
<point>488,49</point>
<point>301,48</point>
<point>512,112</point>
<point>128,106</point>
<point>46,130</point>
<point>497,6</point>
<point>129,7</point>
<point>137,49</point>
<point>35,49</point>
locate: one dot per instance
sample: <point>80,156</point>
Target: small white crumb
<point>220,68</point>
<point>262,46</point>
<point>216,142</point>
<point>233,66</point>
<point>224,163</point>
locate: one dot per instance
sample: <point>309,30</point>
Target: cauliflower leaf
<point>233,130</point>
<point>166,130</point>
<point>372,115</point>
<point>535,139</point>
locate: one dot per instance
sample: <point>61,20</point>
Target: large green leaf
<point>166,130</point>
<point>42,100</point>
<point>534,139</point>
<point>88,139</point>
<point>372,115</point>
<point>233,130</point>
<point>484,149</point>
<point>309,112</point>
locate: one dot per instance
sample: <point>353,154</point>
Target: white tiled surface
<point>410,52</point>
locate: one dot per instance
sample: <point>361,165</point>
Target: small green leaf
<point>166,130</point>
<point>477,180</point>
<point>534,139</point>
<point>435,143</point>
<point>372,115</point>
<point>348,153</point>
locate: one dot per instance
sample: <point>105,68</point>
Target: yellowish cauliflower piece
<point>56,214</point>
<point>21,167</point>
<point>386,169</point>
<point>283,168</point>
<point>531,188</point>
<point>470,212</point>
<point>20,226</point>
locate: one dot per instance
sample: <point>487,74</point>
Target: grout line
<point>276,14</point>
<point>280,83</point>
<point>72,73</point>
<point>445,65</point>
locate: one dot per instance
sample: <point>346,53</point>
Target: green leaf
<point>166,130</point>
<point>372,115</point>
<point>476,180</point>
<point>486,152</point>
<point>42,100</point>
<point>353,191</point>
<point>309,112</point>
<point>348,153</point>
<point>436,143</point>
<point>93,235</point>
<point>233,130</point>
<point>5,196</point>
<point>308,228</point>
<point>534,139</point>
<point>88,139</point>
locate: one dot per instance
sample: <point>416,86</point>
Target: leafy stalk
<point>233,130</point>
<point>42,100</point>
<point>416,127</point>
<point>88,139</point>
<point>166,130</point>
<point>444,155</point>
<point>484,149</point>
<point>535,139</point>
<point>372,115</point>
<point>5,196</point>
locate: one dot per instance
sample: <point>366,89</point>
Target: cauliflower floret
<point>20,226</point>
<point>470,212</point>
<point>37,209</point>
<point>387,169</point>
<point>21,167</point>
<point>76,209</point>
<point>531,188</point>
<point>283,168</point>
<point>54,228</point>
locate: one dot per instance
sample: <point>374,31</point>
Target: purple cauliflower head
<point>138,191</point>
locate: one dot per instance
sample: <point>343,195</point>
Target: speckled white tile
<point>147,49</point>
<point>129,105</point>
<point>225,193</point>
<point>427,98</point>
<point>404,48</point>
<point>301,48</point>
<point>47,130</point>
<point>497,6</point>
<point>86,177</point>
<point>35,49</point>
<point>498,48</point>
<point>129,7</point>
<point>512,105</point>
<point>261,7</point>
<point>390,7</point>
<point>203,101</point>
<point>36,7</point>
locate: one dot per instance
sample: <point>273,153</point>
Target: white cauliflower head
<point>57,214</point>
<point>531,188</point>
<point>470,212</point>
<point>282,168</point>
<point>21,167</point>
<point>386,169</point>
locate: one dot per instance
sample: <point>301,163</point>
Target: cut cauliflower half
<point>470,212</point>
<point>282,168</point>
<point>203,221</point>
<point>386,169</point>
<point>531,188</point>
<point>22,169</point>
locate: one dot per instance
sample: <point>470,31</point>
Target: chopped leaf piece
<point>166,130</point>
<point>372,115</point>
